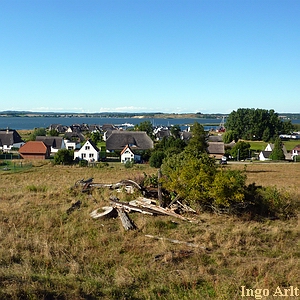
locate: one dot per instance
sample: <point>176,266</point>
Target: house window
<point>91,155</point>
<point>87,147</point>
<point>83,155</point>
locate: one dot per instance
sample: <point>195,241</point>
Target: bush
<point>156,159</point>
<point>63,156</point>
<point>83,163</point>
<point>129,164</point>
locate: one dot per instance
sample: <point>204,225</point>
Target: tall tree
<point>37,132</point>
<point>241,150</point>
<point>277,153</point>
<point>197,145</point>
<point>145,126</point>
<point>175,131</point>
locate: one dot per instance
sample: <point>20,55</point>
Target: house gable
<point>127,154</point>
<point>89,151</point>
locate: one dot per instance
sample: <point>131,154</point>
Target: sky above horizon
<point>172,56</point>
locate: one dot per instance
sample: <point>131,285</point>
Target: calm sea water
<point>19,123</point>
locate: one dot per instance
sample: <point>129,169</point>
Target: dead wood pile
<point>140,204</point>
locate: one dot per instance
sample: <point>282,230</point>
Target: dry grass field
<point>46,253</point>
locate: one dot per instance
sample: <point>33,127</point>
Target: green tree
<point>63,156</point>
<point>96,137</point>
<point>230,136</point>
<point>277,153</point>
<point>241,150</point>
<point>175,131</point>
<point>53,132</point>
<point>197,145</point>
<point>37,132</point>
<point>190,177</point>
<point>255,124</point>
<point>228,188</point>
<point>156,158</point>
<point>266,135</point>
<point>145,126</point>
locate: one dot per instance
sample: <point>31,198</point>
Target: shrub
<point>129,164</point>
<point>83,163</point>
<point>63,156</point>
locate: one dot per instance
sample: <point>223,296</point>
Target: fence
<point>14,166</point>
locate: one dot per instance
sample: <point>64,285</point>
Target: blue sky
<point>208,56</point>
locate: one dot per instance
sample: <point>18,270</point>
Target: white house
<point>265,155</point>
<point>128,155</point>
<point>72,145</point>
<point>10,139</point>
<point>89,151</point>
<point>296,151</point>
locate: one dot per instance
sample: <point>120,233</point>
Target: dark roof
<point>58,127</point>
<point>163,133</point>
<point>185,135</point>
<point>94,127</point>
<point>9,137</point>
<point>138,140</point>
<point>216,148</point>
<point>266,154</point>
<point>75,136</point>
<point>215,138</point>
<point>106,127</point>
<point>51,141</point>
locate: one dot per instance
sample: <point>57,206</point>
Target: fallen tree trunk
<point>126,221</point>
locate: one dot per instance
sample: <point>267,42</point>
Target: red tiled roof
<point>36,147</point>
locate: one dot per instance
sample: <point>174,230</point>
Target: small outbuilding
<point>34,150</point>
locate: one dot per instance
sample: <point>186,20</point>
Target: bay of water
<point>19,123</point>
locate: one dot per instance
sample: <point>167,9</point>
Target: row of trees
<point>255,124</point>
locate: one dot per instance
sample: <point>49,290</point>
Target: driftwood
<point>184,207</point>
<point>128,185</point>
<point>175,241</point>
<point>141,202</point>
<point>126,221</point>
<point>117,204</point>
<point>74,206</point>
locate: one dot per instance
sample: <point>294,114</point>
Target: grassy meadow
<point>46,253</point>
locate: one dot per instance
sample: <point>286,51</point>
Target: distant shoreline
<point>155,115</point>
<point>135,115</point>
<point>143,115</point>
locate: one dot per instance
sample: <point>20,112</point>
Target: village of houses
<point>126,142</point>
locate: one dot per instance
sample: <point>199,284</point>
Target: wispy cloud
<point>123,109</point>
